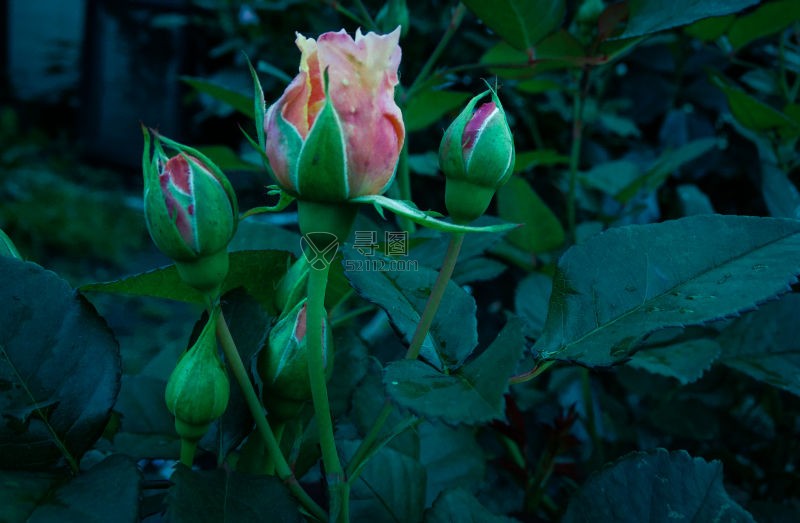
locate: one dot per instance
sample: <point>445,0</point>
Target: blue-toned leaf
<point>610,292</point>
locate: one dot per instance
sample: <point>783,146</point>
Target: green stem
<point>281,466</point>
<point>455,21</point>
<point>591,419</point>
<point>369,440</point>
<point>531,374</point>
<point>188,448</point>
<point>349,315</point>
<point>315,314</point>
<point>432,305</point>
<point>575,152</point>
<point>403,183</point>
<point>435,298</point>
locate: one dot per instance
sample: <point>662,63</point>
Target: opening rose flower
<point>336,132</point>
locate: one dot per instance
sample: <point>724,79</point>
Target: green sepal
<point>7,247</point>
<point>451,156</point>
<point>291,145</point>
<point>322,166</point>
<point>210,201</point>
<point>422,218</point>
<point>292,287</point>
<point>261,152</point>
<point>259,106</point>
<point>285,199</point>
<point>283,365</point>
<point>163,230</point>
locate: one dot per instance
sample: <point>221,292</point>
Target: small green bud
<point>283,364</point>
<point>191,212</point>
<point>477,157</point>
<point>198,389</point>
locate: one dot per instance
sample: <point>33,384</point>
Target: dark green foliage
<point>621,318</point>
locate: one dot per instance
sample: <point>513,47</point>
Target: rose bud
<point>198,389</point>
<point>477,157</point>
<point>283,364</point>
<point>336,132</point>
<point>191,213</point>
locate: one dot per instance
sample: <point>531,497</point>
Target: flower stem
<point>431,306</point>
<point>337,488</point>
<point>575,151</point>
<point>455,22</point>
<point>188,448</point>
<point>435,298</point>
<point>281,466</point>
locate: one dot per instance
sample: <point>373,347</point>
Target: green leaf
<point>226,159</point>
<point>521,23</point>
<point>403,295</point>
<point>651,16</point>
<point>408,210</point>
<point>610,292</point>
<point>769,18</point>
<point>216,496</point>
<point>390,488</point>
<point>147,429</point>
<point>666,164</point>
<point>530,159</point>
<point>257,271</point>
<point>537,86</point>
<point>709,29</point>
<point>654,487</point>
<point>541,231</point>
<point>685,361</point>
<point>425,108</point>
<point>780,194</point>
<point>60,366</point>
<point>459,505</point>
<point>751,112</point>
<point>451,456</point>
<point>426,164</point>
<point>611,177</point>
<point>763,344</point>
<point>470,395</point>
<point>235,99</point>
<point>692,200</point>
<point>530,300</point>
<point>558,51</point>
<point>109,491</point>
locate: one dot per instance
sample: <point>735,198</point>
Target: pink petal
<point>362,75</point>
<point>479,118</point>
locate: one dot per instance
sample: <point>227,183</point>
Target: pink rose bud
<point>336,132</point>
<point>283,363</point>
<point>477,157</point>
<point>191,212</point>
